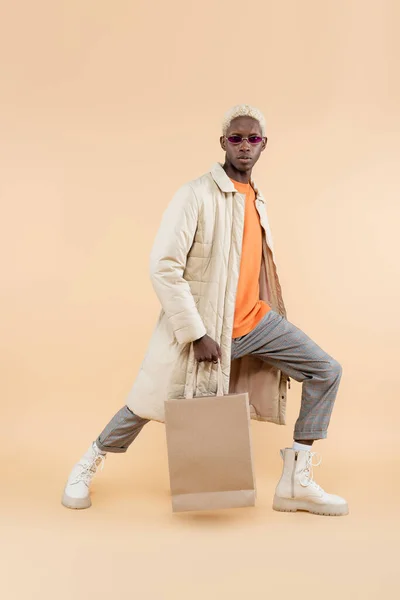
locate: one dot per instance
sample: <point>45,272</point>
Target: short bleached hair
<point>243,110</point>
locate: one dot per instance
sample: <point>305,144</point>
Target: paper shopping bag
<point>209,449</point>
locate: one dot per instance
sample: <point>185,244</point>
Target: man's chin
<point>243,165</point>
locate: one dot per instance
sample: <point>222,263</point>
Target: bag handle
<point>191,386</point>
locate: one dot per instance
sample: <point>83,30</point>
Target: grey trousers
<point>280,343</point>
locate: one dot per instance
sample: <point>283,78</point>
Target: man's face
<point>243,156</point>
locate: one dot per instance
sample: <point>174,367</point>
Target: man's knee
<point>336,368</point>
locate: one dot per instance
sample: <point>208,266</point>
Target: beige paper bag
<point>209,449</point>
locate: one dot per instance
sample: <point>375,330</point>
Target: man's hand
<point>206,349</point>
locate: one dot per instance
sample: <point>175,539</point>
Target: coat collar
<point>225,184</point>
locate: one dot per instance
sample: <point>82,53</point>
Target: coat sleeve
<point>168,257</point>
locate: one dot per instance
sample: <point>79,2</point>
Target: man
<point>213,268</point>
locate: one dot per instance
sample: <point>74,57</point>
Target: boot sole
<point>69,502</point>
<point>293,505</point>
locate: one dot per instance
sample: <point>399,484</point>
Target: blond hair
<point>243,110</point>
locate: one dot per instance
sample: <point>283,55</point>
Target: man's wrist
<point>198,340</point>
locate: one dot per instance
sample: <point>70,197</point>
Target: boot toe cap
<point>71,502</point>
<point>338,500</point>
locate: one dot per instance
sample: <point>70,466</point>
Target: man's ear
<point>222,141</point>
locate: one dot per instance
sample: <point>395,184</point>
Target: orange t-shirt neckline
<point>241,187</point>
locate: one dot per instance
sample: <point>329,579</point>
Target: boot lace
<point>307,474</point>
<point>89,470</point>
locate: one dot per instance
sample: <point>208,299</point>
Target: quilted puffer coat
<point>194,269</point>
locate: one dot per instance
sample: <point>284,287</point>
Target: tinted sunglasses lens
<point>255,139</point>
<point>235,139</point>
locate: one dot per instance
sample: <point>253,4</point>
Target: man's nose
<point>246,142</point>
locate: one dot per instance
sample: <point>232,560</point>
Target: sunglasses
<point>238,139</point>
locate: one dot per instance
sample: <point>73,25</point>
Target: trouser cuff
<point>310,435</point>
<point>109,448</point>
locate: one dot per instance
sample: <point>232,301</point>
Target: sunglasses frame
<point>245,138</point>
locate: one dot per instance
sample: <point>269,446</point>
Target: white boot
<point>76,491</point>
<point>296,489</point>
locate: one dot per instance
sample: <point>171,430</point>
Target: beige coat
<point>194,269</point>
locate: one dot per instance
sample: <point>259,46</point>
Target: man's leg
<point>120,432</point>
<point>117,436</point>
<point>280,343</point>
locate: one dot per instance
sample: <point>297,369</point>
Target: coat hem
<point>277,421</point>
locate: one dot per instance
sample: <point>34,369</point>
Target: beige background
<point>106,109</point>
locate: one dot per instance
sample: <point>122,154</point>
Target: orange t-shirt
<point>249,309</point>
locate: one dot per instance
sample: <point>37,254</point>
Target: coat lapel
<point>225,185</point>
